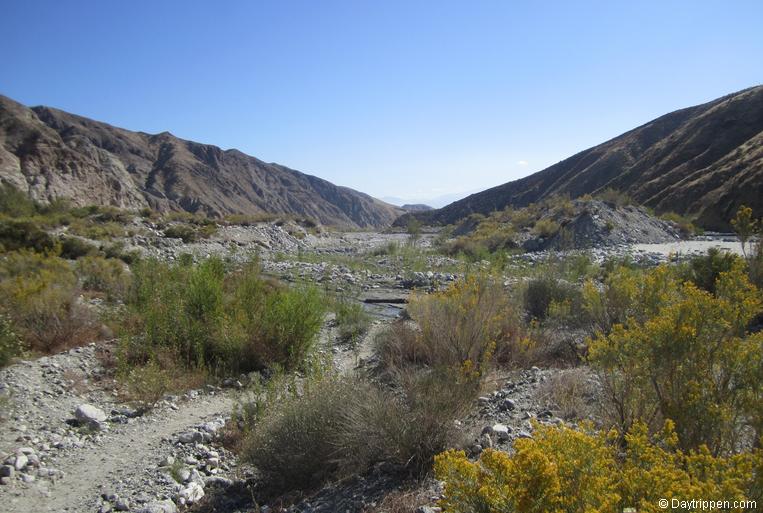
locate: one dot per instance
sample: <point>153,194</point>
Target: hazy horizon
<point>411,102</point>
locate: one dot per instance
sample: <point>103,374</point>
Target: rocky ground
<point>68,442</point>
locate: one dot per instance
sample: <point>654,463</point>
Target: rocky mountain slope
<point>703,161</point>
<point>50,154</point>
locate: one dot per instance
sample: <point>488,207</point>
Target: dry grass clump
<point>333,427</point>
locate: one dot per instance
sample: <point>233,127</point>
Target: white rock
<point>21,461</point>
<point>192,493</point>
<point>501,431</point>
<point>91,415</point>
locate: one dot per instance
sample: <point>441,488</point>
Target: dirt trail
<point>129,450</point>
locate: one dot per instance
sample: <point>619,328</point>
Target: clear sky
<point>408,99</point>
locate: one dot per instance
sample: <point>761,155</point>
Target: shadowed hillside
<point>703,161</point>
<point>50,153</point>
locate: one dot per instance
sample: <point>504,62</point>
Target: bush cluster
<point>41,297</point>
<point>569,470</point>
<point>220,321</point>
<point>679,352</point>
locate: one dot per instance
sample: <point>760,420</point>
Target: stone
<point>428,509</point>
<point>7,471</point>
<point>21,461</point>
<point>190,437</point>
<point>122,505</point>
<point>167,461</point>
<point>501,431</point>
<point>193,493</point>
<point>508,405</point>
<point>90,415</point>
<point>184,475</point>
<point>5,480</point>
<point>105,508</point>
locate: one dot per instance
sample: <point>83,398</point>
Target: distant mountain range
<point>703,161</point>
<point>50,154</point>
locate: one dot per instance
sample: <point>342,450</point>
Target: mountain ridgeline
<point>50,154</point>
<point>703,161</point>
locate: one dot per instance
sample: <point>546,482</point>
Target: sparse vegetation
<point>11,345</point>
<point>352,320</point>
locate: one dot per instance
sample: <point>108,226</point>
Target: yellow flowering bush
<point>683,354</point>
<point>565,470</point>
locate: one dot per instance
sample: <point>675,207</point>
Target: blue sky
<point>411,99</point>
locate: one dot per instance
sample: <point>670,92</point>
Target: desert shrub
<point>684,224</point>
<point>20,234</point>
<point>546,227</point>
<point>41,298</point>
<point>471,321</point>
<point>176,307</point>
<point>685,355</point>
<point>614,197</point>
<point>274,325</point>
<point>146,384</point>
<point>340,426</point>
<point>15,203</point>
<point>74,248</point>
<point>573,470</point>
<point>233,323</point>
<point>543,292</point>
<point>106,275</point>
<point>352,320</point>
<point>294,446</point>
<point>704,270</point>
<point>571,393</point>
<point>97,227</point>
<point>390,248</point>
<point>10,343</point>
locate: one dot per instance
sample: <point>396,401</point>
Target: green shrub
<point>352,320</point>
<point>176,307</point>
<point>15,203</point>
<point>74,248</point>
<point>704,270</point>
<point>278,326</point>
<point>685,225</point>
<point>614,197</point>
<point>17,234</point>
<point>10,343</point>
<point>189,233</point>
<point>543,292</point>
<point>237,322</point>
<point>546,227</point>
